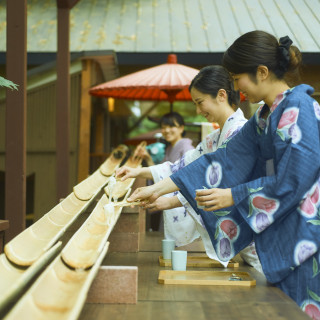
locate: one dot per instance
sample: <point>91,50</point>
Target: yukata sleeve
<point>230,165</point>
<point>233,163</point>
<point>166,169</point>
<point>295,184</point>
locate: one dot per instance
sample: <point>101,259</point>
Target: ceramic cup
<point>167,246</point>
<point>199,207</point>
<point>179,260</point>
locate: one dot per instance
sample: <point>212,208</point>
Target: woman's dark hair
<point>211,79</point>
<point>172,119</point>
<point>257,48</point>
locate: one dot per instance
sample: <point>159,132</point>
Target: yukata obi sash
<point>281,211</point>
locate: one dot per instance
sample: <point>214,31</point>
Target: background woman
<point>172,129</point>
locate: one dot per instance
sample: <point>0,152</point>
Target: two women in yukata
<point>214,96</point>
<point>266,179</point>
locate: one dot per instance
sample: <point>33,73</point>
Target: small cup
<point>199,207</point>
<point>167,246</point>
<point>179,260</point>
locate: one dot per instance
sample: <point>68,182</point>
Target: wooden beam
<point>16,71</point>
<point>99,130</point>
<point>63,104</point>
<point>66,4</point>
<point>85,121</point>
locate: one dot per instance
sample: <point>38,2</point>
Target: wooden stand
<point>125,236</point>
<point>200,262</point>
<point>206,278</point>
<point>114,284</point>
<point>4,225</point>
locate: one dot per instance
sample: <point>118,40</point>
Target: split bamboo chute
<point>60,290</point>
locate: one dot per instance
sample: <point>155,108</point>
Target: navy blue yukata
<point>273,169</point>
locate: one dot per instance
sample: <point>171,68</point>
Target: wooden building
<point>109,38</point>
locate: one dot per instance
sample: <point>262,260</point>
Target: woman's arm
<point>153,192</point>
<point>142,152</point>
<point>125,173</point>
<point>163,203</point>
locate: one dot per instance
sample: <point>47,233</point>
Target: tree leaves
<point>8,84</point>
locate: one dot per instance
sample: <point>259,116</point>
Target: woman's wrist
<point>175,202</point>
<point>145,172</point>
<point>164,186</point>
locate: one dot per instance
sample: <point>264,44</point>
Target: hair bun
<point>284,55</point>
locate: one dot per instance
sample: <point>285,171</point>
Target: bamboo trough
<point>58,294</point>
<point>61,290</point>
<point>122,187</point>
<point>14,278</point>
<point>83,248</point>
<point>113,162</point>
<point>30,244</point>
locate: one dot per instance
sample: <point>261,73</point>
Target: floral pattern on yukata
<point>214,174</point>
<point>177,165</point>
<point>288,127</point>
<point>311,306</point>
<point>304,249</point>
<point>316,107</point>
<point>261,209</point>
<point>231,133</point>
<point>309,205</point>
<point>227,233</point>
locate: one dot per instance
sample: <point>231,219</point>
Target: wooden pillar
<point>15,161</point>
<point>99,131</point>
<point>63,104</point>
<point>85,122</point>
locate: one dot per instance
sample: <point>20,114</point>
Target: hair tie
<point>284,46</point>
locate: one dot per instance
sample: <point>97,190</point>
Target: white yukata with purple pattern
<point>185,228</point>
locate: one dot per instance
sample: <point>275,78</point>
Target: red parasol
<point>168,81</point>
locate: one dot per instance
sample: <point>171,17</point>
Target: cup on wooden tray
<point>179,260</point>
<point>167,246</point>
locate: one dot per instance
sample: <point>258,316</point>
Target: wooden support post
<point>125,236</point>
<point>114,284</point>
<point>85,121</point>
<point>63,104</point>
<point>4,225</point>
<point>15,162</point>
<point>99,134</point>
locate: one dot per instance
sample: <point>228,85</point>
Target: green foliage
<point>185,108</point>
<point>8,84</point>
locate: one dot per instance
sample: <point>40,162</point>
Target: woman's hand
<point>153,192</point>
<point>214,199</point>
<point>142,152</point>
<point>125,173</point>
<point>163,203</point>
<point>145,195</point>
